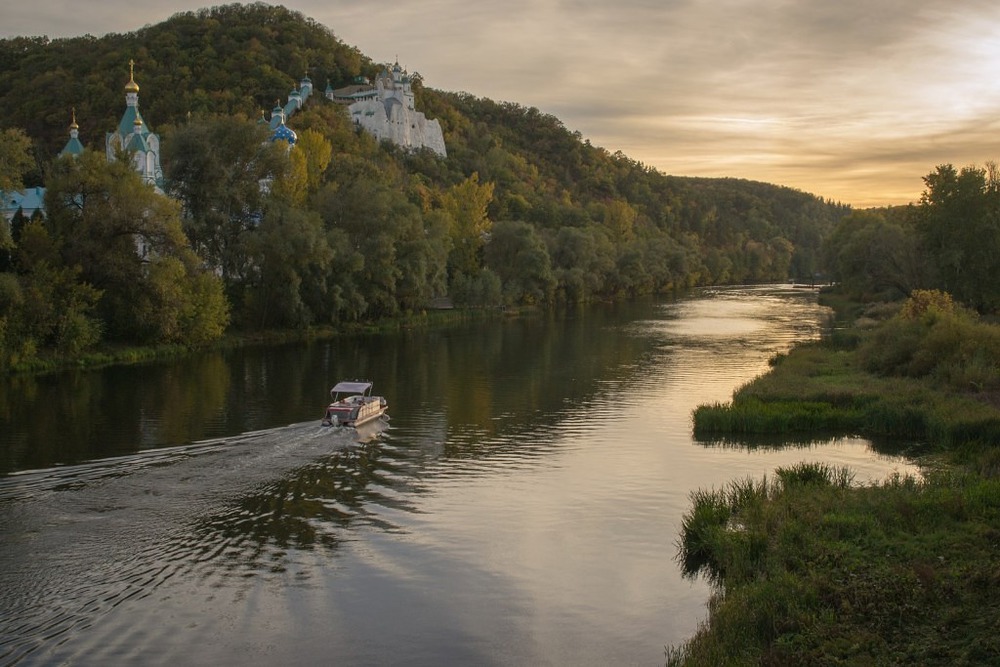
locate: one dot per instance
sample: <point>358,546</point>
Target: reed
<point>753,416</point>
<point>819,388</point>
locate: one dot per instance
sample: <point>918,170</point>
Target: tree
<point>45,305</point>
<point>467,204</point>
<point>15,162</point>
<point>291,186</point>
<point>871,255</point>
<point>959,227</point>
<point>15,159</point>
<point>517,255</point>
<point>619,218</point>
<point>395,261</point>
<point>583,259</point>
<point>290,282</point>
<point>128,243</point>
<point>218,168</point>
<point>317,152</point>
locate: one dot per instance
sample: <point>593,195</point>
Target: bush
<point>933,337</point>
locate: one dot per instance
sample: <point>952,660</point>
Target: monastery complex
<point>384,109</point>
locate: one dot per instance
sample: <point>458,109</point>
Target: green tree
<point>518,256</point>
<point>218,168</point>
<point>583,260</point>
<point>128,242</point>
<point>45,306</point>
<point>386,230</point>
<point>959,226</point>
<point>871,256</point>
<point>290,283</point>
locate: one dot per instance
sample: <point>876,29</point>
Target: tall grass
<point>812,568</point>
<point>932,379</point>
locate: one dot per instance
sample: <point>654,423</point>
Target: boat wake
<point>293,444</point>
<point>82,541</point>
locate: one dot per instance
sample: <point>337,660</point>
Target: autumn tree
<point>15,162</point>
<point>317,152</point>
<point>466,205</point>
<point>15,159</point>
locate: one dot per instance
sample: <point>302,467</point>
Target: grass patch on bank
<point>821,387</point>
<point>813,569</point>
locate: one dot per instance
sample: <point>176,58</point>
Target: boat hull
<point>354,413</point>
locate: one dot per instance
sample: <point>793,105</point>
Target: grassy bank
<point>812,568</point>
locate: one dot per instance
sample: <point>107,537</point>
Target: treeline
<point>949,241</point>
<point>339,228</point>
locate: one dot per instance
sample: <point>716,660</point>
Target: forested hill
<point>522,210</point>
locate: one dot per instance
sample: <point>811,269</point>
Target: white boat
<point>353,405</point>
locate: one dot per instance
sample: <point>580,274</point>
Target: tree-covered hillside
<point>522,211</point>
<point>224,60</point>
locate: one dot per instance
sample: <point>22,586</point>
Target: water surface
<point>522,505</point>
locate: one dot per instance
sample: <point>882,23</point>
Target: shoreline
<point>810,567</point>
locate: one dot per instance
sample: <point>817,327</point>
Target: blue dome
<point>284,133</point>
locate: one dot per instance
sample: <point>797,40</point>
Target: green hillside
<point>522,211</point>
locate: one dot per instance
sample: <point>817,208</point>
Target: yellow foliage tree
<point>318,152</point>
<point>292,185</point>
<point>466,205</point>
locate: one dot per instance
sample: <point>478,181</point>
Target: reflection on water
<point>886,447</point>
<point>521,507</point>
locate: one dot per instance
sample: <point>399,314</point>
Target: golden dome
<point>131,86</point>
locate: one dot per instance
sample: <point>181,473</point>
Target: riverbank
<point>110,355</point>
<point>814,569</point>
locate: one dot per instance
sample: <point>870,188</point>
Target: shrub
<point>934,337</point>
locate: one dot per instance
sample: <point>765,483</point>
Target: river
<point>521,506</point>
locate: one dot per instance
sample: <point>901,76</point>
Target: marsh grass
<point>811,568</point>
<point>817,387</point>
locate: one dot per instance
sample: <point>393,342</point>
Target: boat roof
<point>357,387</point>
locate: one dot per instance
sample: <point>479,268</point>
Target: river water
<point>521,506</point>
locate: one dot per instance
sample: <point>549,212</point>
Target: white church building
<point>134,136</point>
<point>386,110</point>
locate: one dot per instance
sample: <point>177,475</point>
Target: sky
<point>854,100</point>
